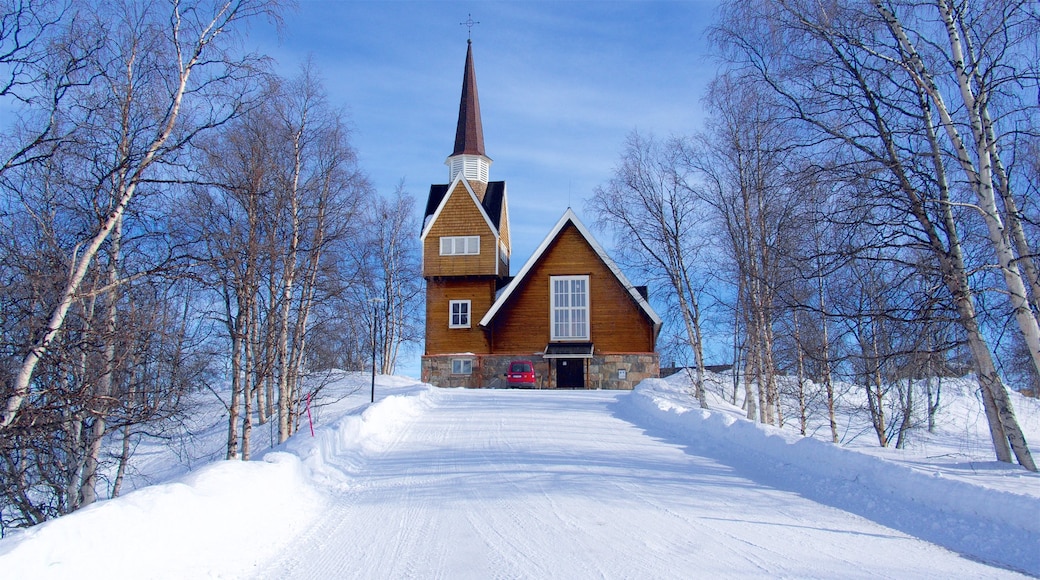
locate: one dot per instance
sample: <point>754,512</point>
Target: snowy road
<point>509,484</point>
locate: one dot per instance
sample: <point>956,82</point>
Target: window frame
<point>455,242</point>
<point>465,366</point>
<point>468,304</point>
<point>555,310</point>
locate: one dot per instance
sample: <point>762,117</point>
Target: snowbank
<point>225,519</point>
<point>336,450</point>
<point>972,518</point>
<point>174,530</point>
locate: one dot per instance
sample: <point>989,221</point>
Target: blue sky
<point>561,85</point>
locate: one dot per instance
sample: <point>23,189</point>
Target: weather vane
<point>469,26</point>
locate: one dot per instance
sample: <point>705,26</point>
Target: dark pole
<point>375,312</point>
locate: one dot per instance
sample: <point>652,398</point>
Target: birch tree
<point>977,59</point>
<point>272,218</point>
<point>157,61</point>
<point>743,166</point>
<point>830,69</point>
<point>390,227</point>
<point>653,212</point>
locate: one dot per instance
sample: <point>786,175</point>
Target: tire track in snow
<point>313,550</point>
<point>506,484</point>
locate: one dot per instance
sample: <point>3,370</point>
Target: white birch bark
<point>285,386</point>
<point>105,389</point>
<point>980,170</point>
<point>85,252</point>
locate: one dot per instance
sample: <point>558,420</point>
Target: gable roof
<point>444,194</point>
<point>570,217</point>
<point>494,205</point>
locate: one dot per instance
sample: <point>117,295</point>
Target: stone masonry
<point>488,371</point>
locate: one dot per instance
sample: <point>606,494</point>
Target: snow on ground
<point>454,483</point>
<point>943,489</point>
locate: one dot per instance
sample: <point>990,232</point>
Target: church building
<point>569,310</point>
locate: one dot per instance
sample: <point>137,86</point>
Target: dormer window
<point>460,245</point>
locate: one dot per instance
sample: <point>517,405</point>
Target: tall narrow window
<point>460,245</point>
<point>458,314</point>
<point>569,305</point>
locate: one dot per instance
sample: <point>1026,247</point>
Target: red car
<point>521,374</point>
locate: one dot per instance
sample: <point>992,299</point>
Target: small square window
<point>461,366</point>
<point>458,314</point>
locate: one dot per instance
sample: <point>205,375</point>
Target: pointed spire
<point>469,134</point>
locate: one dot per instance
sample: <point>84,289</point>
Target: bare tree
<point>391,226</point>
<point>112,96</point>
<point>744,165</point>
<point>154,64</point>
<point>272,217</point>
<point>650,206</point>
<point>830,69</point>
<point>971,79</point>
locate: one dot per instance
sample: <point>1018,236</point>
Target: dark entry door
<point>570,373</point>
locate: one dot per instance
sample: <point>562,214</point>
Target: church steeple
<point>469,158</point>
<point>469,134</point>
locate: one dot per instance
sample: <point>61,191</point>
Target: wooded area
<point>175,217</point>
<point>869,172</point>
<point>861,205</point>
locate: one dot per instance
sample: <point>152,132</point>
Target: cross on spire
<point>469,26</point>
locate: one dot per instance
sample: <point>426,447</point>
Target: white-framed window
<point>569,307</point>
<point>460,245</point>
<point>462,366</point>
<point>458,313</point>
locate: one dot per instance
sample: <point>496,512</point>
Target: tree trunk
<point>235,326</point>
<point>800,354</point>
<point>136,167</point>
<point>828,384</point>
<point>101,404</point>
<point>980,177</point>
<point>907,407</point>
<point>248,382</point>
<point>933,400</point>
<point>124,460</point>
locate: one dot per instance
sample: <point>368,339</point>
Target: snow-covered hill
<point>235,519</point>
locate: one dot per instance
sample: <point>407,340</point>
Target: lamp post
<point>375,326</point>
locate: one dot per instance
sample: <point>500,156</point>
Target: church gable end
<point>523,321</point>
<point>460,239</point>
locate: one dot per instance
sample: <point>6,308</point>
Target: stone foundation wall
<point>601,371</point>
<point>436,370</point>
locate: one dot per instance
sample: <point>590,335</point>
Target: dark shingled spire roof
<point>469,135</point>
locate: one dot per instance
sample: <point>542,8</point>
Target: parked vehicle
<point>521,374</point>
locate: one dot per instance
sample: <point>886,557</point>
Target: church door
<point>570,373</point>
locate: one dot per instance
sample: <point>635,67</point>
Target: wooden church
<point>569,309</point>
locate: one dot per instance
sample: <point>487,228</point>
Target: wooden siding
<point>503,230</point>
<point>460,217</point>
<point>439,292</point>
<point>503,261</point>
<point>617,323</point>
